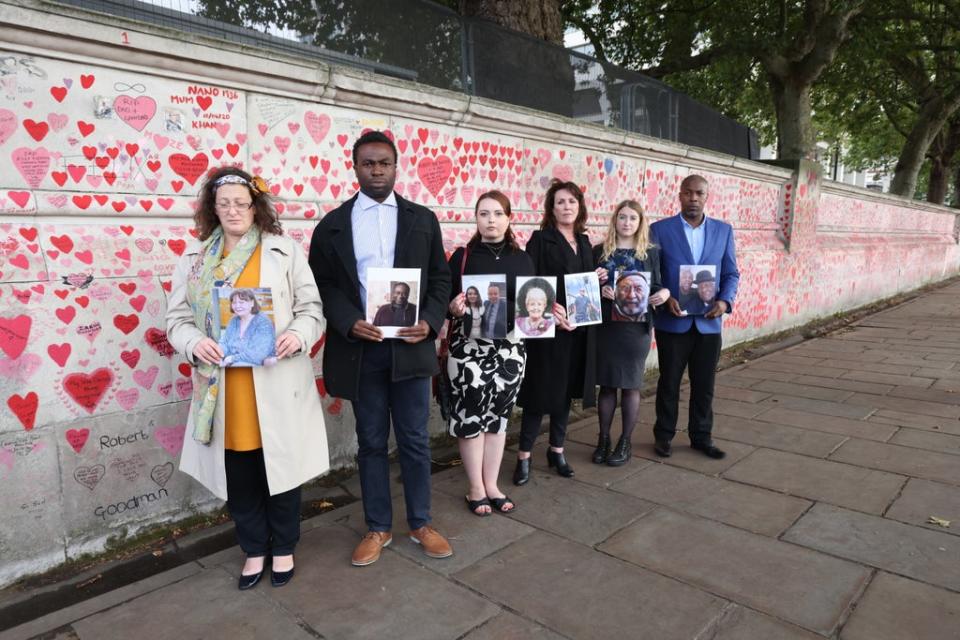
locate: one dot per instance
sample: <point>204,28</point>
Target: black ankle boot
<point>522,473</point>
<point>557,460</point>
<point>602,451</point>
<point>621,454</point>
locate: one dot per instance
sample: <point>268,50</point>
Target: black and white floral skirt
<point>485,378</point>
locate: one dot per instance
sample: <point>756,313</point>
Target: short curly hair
<point>535,283</point>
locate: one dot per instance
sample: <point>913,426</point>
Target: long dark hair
<point>205,219</point>
<point>550,220</point>
<point>503,201</point>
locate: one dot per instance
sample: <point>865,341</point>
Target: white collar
<point>366,202</point>
<point>684,221</point>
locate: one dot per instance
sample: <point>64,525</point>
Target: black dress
<point>485,374</point>
<point>564,367</point>
<point>622,347</point>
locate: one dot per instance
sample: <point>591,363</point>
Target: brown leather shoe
<point>434,544</point>
<point>368,551</point>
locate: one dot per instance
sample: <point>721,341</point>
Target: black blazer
<point>500,326</point>
<point>418,245</point>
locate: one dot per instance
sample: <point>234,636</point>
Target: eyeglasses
<point>370,164</point>
<point>227,206</point>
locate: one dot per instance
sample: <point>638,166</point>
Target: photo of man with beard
<point>631,296</point>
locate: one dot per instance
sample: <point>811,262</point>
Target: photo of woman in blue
<point>249,339</point>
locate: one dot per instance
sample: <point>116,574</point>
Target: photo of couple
<point>247,334</point>
<point>486,306</point>
<point>697,288</point>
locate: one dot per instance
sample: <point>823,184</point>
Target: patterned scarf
<point>212,270</point>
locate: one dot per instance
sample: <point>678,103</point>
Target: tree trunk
<point>539,18</point>
<point>955,203</point>
<point>943,152</point>
<point>795,138</point>
<point>931,119</point>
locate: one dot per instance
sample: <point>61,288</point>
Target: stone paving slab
<point>888,378</point>
<point>206,605</point>
<point>841,484</point>
<point>750,508</point>
<point>829,424</point>
<point>761,367</point>
<point>543,578</point>
<point>921,499</point>
<point>393,598</point>
<point>740,394</point>
<point>745,567</point>
<point>508,626</point>
<point>943,467</point>
<point>928,556</point>
<point>821,407</point>
<point>917,421</point>
<point>110,599</point>
<point>927,395</point>
<point>760,374</point>
<point>846,385</point>
<point>572,509</point>
<point>894,608</point>
<point>803,391</point>
<point>740,623</point>
<point>775,436</point>
<point>735,408</point>
<point>903,404</point>
<point>927,440</point>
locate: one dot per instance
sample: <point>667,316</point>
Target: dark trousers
<point>530,428</point>
<point>407,403</point>
<point>265,524</point>
<point>698,353</point>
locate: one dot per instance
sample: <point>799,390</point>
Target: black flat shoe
<point>556,460</point>
<point>602,452</point>
<point>522,473</point>
<point>280,578</point>
<point>249,582</point>
<point>663,448</point>
<point>710,450</point>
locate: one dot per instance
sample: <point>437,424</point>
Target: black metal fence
<point>429,43</point>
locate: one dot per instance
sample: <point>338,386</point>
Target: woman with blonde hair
<point>631,288</point>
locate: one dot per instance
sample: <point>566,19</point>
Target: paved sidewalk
<point>816,524</point>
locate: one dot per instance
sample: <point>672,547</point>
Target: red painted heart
<point>88,389</point>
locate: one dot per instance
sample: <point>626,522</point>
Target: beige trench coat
<point>288,404</point>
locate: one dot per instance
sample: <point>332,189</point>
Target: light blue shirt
<point>374,226</point>
<point>696,237</point>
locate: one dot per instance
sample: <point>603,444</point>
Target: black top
<point>482,261</point>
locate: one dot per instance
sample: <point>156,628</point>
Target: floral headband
<point>256,184</point>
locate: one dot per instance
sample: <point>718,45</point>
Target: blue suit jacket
<point>718,250</point>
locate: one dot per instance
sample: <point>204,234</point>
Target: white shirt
<point>374,226</point>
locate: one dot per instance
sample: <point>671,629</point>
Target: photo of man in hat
<point>703,291</point>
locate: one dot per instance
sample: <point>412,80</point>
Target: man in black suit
<point>494,323</point>
<point>386,380</point>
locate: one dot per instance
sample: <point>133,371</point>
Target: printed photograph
<point>248,336</point>
<point>697,288</point>
<point>583,298</point>
<point>534,313</point>
<point>631,296</point>
<point>486,300</point>
<point>392,296</point>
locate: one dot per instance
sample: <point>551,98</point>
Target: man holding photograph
<point>692,341</point>
<point>386,381</point>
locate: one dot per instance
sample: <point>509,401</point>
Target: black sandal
<point>473,505</point>
<point>500,503</point>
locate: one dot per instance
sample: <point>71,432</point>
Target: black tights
<point>629,409</point>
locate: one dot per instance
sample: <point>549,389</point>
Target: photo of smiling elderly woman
<point>535,298</point>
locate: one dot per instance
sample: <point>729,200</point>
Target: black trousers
<point>266,525</point>
<point>698,353</point>
<point>530,428</point>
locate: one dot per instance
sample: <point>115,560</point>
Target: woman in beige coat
<point>255,434</point>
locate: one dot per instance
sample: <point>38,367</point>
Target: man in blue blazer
<point>685,340</point>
